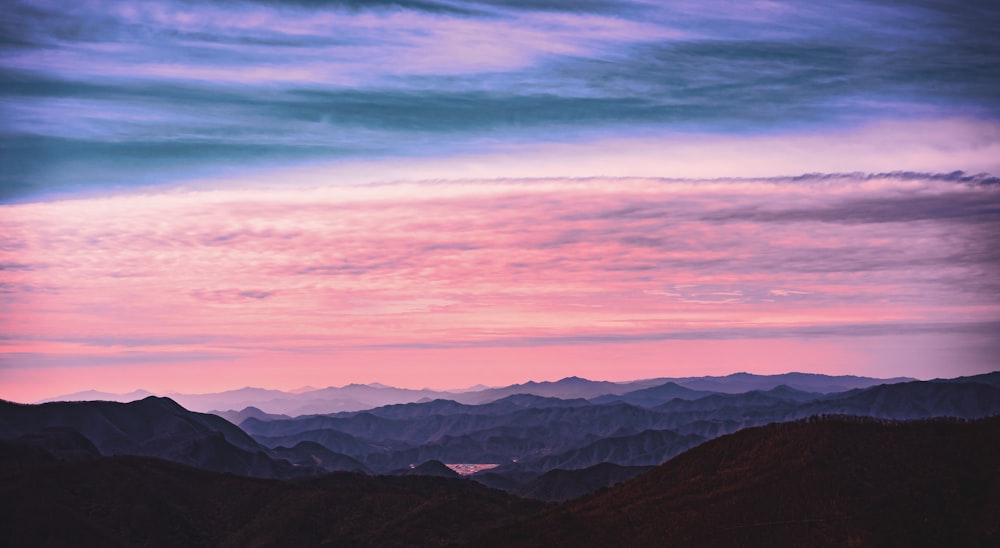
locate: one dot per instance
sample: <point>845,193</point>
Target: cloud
<point>233,296</point>
<point>42,360</point>
<point>909,204</point>
<point>864,330</point>
<point>512,255</point>
<point>606,168</point>
<point>113,95</point>
<point>341,276</point>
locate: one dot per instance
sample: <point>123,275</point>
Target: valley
<point>528,469</point>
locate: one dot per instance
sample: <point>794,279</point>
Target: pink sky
<point>449,284</point>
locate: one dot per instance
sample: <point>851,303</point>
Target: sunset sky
<point>201,196</point>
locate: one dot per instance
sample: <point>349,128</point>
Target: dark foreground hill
<point>836,481</point>
<point>820,482</point>
<point>158,427</point>
<point>137,501</point>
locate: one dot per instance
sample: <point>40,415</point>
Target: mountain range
<point>154,427</point>
<point>821,481</point>
<point>535,441</point>
<point>356,397</point>
<point>529,435</point>
<point>835,481</point>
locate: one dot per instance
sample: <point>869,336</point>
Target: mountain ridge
<point>358,397</point>
<point>829,480</point>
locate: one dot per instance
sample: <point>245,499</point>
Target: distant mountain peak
<point>573,379</point>
<point>160,401</point>
<point>97,395</point>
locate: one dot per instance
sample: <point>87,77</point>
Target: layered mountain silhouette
<point>136,501</point>
<point>429,468</point>
<point>814,482</point>
<point>525,435</point>
<point>529,435</point>
<point>357,397</point>
<point>156,427</point>
<point>834,481</point>
<point>561,485</point>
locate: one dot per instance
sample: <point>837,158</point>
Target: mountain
<point>806,382</point>
<point>649,447</point>
<point>153,426</point>
<point>906,400</point>
<point>992,379</point>
<point>136,501</point>
<point>816,482</point>
<point>237,417</point>
<point>654,395</point>
<point>550,477</point>
<point>517,427</point>
<point>819,482</point>
<point>560,485</point>
<point>333,440</point>
<point>360,397</point>
<point>49,442</point>
<point>312,455</point>
<point>429,468</point>
<point>304,401</point>
<point>545,433</point>
<point>785,392</point>
<point>96,395</point>
<point>352,397</point>
<point>911,400</point>
<point>568,388</point>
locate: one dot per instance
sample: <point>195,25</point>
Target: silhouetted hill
<point>237,417</point>
<point>559,485</point>
<point>649,447</point>
<point>156,427</point>
<point>992,379</point>
<point>360,397</point>
<point>785,392</point>
<point>352,397</point>
<point>523,427</point>
<point>913,400</point>
<point>311,455</point>
<point>726,413</point>
<point>806,382</point>
<point>429,468</point>
<point>655,395</point>
<point>67,443</point>
<point>416,410</point>
<point>544,433</point>
<point>333,440</point>
<point>568,388</point>
<point>822,482</point>
<point>96,395</point>
<point>136,501</point>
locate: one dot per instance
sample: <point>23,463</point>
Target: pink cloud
<point>411,283</point>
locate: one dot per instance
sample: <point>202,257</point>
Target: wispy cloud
<point>346,182</point>
<point>124,94</point>
<point>543,263</point>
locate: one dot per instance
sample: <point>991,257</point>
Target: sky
<point>201,196</point>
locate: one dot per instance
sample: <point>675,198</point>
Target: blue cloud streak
<point>109,94</point>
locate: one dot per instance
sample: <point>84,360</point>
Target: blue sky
<point>108,95</point>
